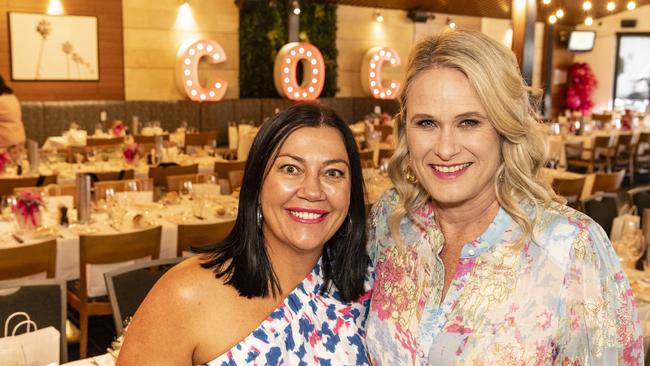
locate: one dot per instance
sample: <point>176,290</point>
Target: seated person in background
<point>287,285</point>
<point>12,131</point>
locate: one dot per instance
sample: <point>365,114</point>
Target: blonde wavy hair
<point>493,73</point>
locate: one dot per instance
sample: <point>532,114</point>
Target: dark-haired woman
<point>287,285</point>
<point>12,131</point>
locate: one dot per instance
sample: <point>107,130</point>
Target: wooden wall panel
<point>111,59</point>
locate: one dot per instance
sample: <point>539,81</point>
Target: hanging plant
<point>581,85</point>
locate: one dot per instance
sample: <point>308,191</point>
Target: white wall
<point>602,59</point>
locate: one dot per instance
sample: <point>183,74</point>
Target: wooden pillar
<point>547,70</point>
<point>524,13</point>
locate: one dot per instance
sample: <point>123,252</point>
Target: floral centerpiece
<point>27,210</point>
<point>131,152</point>
<point>581,84</point>
<point>118,128</point>
<point>4,159</point>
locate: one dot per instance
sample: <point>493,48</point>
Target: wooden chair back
<point>110,176</point>
<point>367,158</point>
<point>51,190</point>
<point>232,171</point>
<point>96,141</point>
<point>141,139</point>
<point>7,185</point>
<point>143,184</point>
<point>608,182</point>
<point>175,182</point>
<point>160,173</point>
<point>26,260</point>
<point>207,138</point>
<point>385,154</point>
<point>201,235</point>
<point>601,117</point>
<point>571,189</point>
<point>116,248</point>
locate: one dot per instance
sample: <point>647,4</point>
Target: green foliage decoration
<point>264,30</point>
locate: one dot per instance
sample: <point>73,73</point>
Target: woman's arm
<point>601,325</point>
<point>165,329</point>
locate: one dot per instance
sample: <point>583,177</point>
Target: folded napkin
<point>75,137</point>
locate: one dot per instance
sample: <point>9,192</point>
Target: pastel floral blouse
<point>559,299</point>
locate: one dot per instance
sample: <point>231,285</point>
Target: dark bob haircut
<point>241,258</point>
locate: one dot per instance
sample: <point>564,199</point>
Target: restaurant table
<point>169,217</point>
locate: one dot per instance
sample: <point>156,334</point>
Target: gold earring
<point>409,175</point>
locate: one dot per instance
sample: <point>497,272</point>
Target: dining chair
<point>207,138</point>
<point>602,208</point>
<point>111,176</point>
<point>623,155</point>
<point>142,184</point>
<point>385,130</point>
<point>161,172</point>
<point>199,235</point>
<point>7,185</point>
<point>101,250</point>
<point>28,260</point>
<point>367,157</point>
<point>640,198</point>
<point>128,286</point>
<point>608,182</point>
<point>642,154</point>
<point>599,156</point>
<point>43,300</point>
<point>149,140</point>
<point>98,141</point>
<point>232,172</point>
<point>175,182</point>
<point>570,189</point>
<point>385,154</point>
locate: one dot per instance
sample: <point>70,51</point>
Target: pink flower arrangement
<point>27,205</point>
<point>131,152</point>
<point>4,159</point>
<point>118,128</point>
<point>581,84</point>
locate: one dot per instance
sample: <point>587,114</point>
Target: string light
<point>611,6</point>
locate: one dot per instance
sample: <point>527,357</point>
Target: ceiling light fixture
<point>451,24</point>
<point>559,13</point>
<point>587,5</point>
<point>631,5</point>
<point>378,17</point>
<point>546,2</point>
<point>589,21</point>
<point>552,19</point>
<point>611,6</point>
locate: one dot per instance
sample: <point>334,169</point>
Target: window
<point>632,81</point>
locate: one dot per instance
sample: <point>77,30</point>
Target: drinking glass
<point>186,188</point>
<point>7,205</point>
<point>131,186</point>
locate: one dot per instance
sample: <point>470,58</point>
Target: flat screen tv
<point>582,40</point>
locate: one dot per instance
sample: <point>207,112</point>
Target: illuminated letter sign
<point>371,72</point>
<point>286,64</point>
<point>187,70</point>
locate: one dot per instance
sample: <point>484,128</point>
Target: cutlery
<point>115,228</point>
<point>199,217</point>
<point>17,238</point>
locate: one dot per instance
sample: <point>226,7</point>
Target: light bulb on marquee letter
<point>286,64</point>
<point>187,70</point>
<point>371,67</point>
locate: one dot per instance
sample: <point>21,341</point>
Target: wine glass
<point>91,155</point>
<point>186,188</point>
<point>131,186</point>
<point>7,205</point>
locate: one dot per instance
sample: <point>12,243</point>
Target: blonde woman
<point>477,261</point>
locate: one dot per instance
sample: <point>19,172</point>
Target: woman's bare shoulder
<point>174,311</point>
